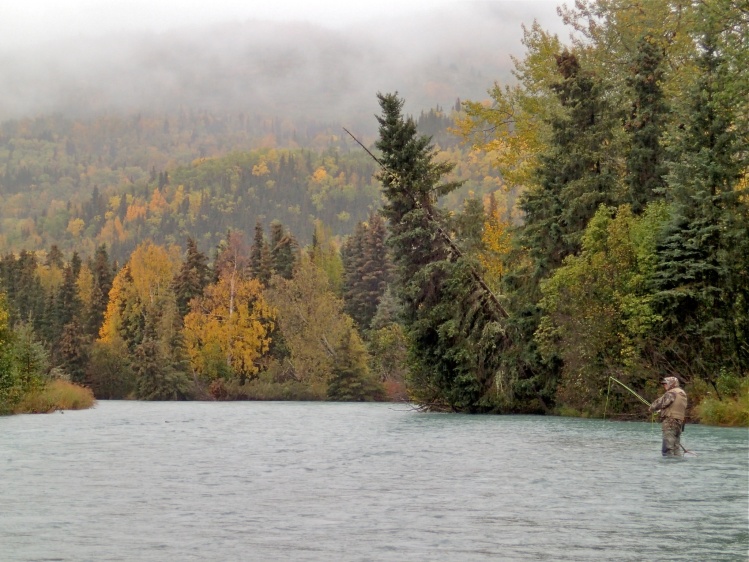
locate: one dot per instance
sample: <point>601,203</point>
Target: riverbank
<point>55,396</point>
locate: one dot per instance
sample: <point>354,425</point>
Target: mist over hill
<point>270,68</point>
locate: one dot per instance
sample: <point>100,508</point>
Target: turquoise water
<point>312,481</point>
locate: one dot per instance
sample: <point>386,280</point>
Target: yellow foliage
<point>119,230</point>
<point>233,317</point>
<point>75,227</point>
<point>152,268</point>
<point>85,285</point>
<point>144,280</point>
<point>179,197</point>
<point>320,175</point>
<point>496,243</point>
<point>109,331</point>
<point>743,187</point>
<point>56,395</point>
<point>260,169</point>
<point>113,231</point>
<point>513,125</point>
<point>158,202</point>
<point>311,319</point>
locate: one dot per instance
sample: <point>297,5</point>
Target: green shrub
<point>731,409</point>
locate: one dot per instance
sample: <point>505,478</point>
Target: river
<point>168,481</point>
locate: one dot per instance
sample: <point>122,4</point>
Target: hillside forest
<point>589,220</point>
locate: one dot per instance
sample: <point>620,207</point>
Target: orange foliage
<point>135,211</point>
<point>158,202</point>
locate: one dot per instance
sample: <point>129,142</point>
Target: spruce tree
<point>283,250</point>
<point>351,380</point>
<point>71,352</point>
<point>156,377</point>
<point>451,320</point>
<point>646,167</point>
<point>701,283</point>
<point>192,277</point>
<point>576,174</point>
<point>352,258</point>
<point>103,274</point>
<point>367,270</point>
<point>259,252</point>
<point>469,224</point>
<point>375,272</point>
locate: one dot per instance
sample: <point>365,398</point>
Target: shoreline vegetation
<point>60,395</point>
<point>56,395</point>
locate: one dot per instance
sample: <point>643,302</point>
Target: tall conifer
<point>449,317</point>
<point>702,285</point>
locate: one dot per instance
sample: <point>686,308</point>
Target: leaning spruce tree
<point>451,319</point>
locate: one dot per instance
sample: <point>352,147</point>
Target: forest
<point>588,221</point>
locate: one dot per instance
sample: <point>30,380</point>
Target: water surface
<point>314,481</point>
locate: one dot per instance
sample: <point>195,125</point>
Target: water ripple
<point>301,481</point>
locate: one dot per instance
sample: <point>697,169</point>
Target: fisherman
<point>673,411</point>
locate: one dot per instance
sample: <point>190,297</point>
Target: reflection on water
<point>311,481</point>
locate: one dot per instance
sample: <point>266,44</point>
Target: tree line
<point>632,256</point>
<point>259,319</point>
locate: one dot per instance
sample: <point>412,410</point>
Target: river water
<point>169,481</point>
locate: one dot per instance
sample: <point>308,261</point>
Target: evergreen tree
<point>192,277</point>
<point>450,317</point>
<point>376,266</point>
<point>702,285</point>
<point>72,352</point>
<point>469,224</point>
<point>575,175</point>
<point>646,168</point>
<point>64,309</point>
<point>283,250</point>
<point>260,267</point>
<point>352,258</point>
<point>55,257</point>
<point>388,310</point>
<point>103,275</point>
<point>67,303</point>
<point>156,377</point>
<point>11,388</point>
<point>75,264</point>
<point>367,270</point>
<point>350,380</point>
<point>30,357</point>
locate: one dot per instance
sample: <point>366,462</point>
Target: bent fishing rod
<point>641,399</point>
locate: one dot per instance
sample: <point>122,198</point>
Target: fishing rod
<point>641,399</point>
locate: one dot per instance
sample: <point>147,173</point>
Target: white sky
<point>26,22</point>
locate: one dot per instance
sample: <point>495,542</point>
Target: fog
<point>272,67</point>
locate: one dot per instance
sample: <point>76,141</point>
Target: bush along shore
<point>55,396</point>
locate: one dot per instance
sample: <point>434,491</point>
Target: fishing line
<point>641,399</point>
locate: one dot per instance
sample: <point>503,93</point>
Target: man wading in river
<point>673,410</point>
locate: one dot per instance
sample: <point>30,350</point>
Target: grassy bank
<point>725,404</point>
<point>56,395</point>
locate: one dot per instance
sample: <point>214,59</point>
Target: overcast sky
<point>27,22</point>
